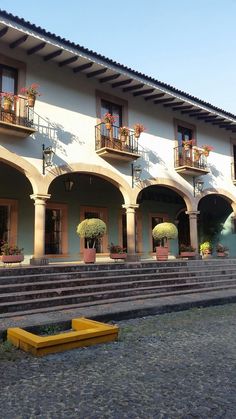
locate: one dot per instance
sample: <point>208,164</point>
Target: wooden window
<point>184,132</point>
<point>112,104</point>
<point>8,220</point>
<point>112,108</point>
<point>56,229</point>
<point>8,79</point>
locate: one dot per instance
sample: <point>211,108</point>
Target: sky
<point>189,44</point>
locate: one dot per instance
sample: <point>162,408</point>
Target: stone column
<point>39,229</point>
<point>193,228</point>
<point>131,233</point>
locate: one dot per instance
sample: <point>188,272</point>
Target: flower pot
<point>187,254</point>
<point>108,125</point>
<point>31,100</point>
<point>162,253</point>
<point>137,134</point>
<point>118,255</point>
<point>221,254</point>
<point>89,255</point>
<point>206,254</point>
<point>7,105</point>
<point>12,258</point>
<point>186,147</point>
<point>206,153</point>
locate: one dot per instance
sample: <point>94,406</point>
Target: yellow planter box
<point>85,333</point>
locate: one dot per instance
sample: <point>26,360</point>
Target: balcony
<point>190,161</point>
<point>18,120</point>
<point>109,144</point>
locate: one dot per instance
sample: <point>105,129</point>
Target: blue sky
<point>189,44</point>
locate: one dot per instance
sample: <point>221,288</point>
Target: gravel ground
<point>178,365</point>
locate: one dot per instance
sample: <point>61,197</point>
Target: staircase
<point>27,290</point>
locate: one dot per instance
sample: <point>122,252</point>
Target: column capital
<point>193,213</point>
<point>40,197</point>
<point>130,206</point>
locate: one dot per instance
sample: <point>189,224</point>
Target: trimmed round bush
<point>91,229</point>
<point>166,231</point>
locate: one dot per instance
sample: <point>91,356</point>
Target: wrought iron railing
<point>192,157</point>
<point>111,138</point>
<point>18,114</point>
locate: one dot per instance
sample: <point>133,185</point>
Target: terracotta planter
<point>162,253</point>
<point>206,254</point>
<point>89,255</point>
<point>221,254</point>
<point>187,254</point>
<point>206,153</point>
<point>118,255</point>
<point>12,258</point>
<point>31,101</point>
<point>186,147</point>
<point>108,125</point>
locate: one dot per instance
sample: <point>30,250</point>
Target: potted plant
<point>197,152</point>
<point>31,92</point>
<point>108,120</point>
<point>187,144</point>
<point>8,100</point>
<point>124,133</point>
<point>206,249</point>
<point>164,231</point>
<point>11,253</point>
<point>91,229</point>
<point>187,251</point>
<point>221,250</point>
<point>206,149</point>
<point>117,252</point>
<point>138,129</point>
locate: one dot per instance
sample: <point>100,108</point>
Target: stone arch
<point>100,171</point>
<point>222,192</point>
<point>23,166</point>
<point>175,186</point>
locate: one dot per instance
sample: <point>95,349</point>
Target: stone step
<point>93,289</point>
<point>29,270</point>
<point>111,281</point>
<point>107,275</point>
<point>22,309</point>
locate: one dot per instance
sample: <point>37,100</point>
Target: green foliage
<point>206,246</point>
<point>165,231</point>
<point>91,229</point>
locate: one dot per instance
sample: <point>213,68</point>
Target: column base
<point>39,261</point>
<point>132,257</point>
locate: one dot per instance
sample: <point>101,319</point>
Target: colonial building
<point>131,183</point>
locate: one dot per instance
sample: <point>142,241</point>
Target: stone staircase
<point>27,290</point>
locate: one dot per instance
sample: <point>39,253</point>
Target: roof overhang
<point>17,33</point>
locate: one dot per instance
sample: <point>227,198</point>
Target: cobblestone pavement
<point>178,365</point>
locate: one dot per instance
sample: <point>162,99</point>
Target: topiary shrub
<point>91,229</point>
<point>166,231</point>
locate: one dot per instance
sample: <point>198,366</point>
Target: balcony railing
<point>190,161</point>
<point>109,142</point>
<point>18,118</point>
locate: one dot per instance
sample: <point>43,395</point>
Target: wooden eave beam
<point>36,48</point>
<point>182,108</point>
<point>122,83</point>
<point>210,118</point>
<point>226,125</point>
<point>156,96</point>
<point>202,115</point>
<point>130,88</point>
<point>82,67</point>
<point>199,113</point>
<point>218,121</point>
<point>18,41</point>
<point>96,72</point>
<point>143,92</point>
<point>109,78</point>
<point>67,61</point>
<point>169,105</point>
<point>168,99</point>
<point>3,31</point>
<point>52,55</point>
